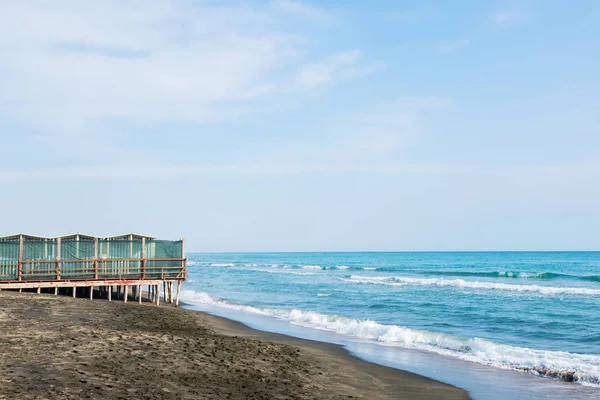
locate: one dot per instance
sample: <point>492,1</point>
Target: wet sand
<point>64,348</point>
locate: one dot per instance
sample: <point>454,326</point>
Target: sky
<point>291,125</point>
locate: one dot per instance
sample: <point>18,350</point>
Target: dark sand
<point>64,348</point>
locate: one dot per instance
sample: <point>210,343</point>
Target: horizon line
<point>395,251</point>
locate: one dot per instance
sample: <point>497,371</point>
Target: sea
<point>502,325</point>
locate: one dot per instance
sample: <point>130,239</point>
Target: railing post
<point>20,270</point>
<point>183,257</point>
<point>58,257</point>
<point>143,258</point>
<point>95,258</point>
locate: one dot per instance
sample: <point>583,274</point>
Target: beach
<point>56,347</point>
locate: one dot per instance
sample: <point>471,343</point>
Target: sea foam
<point>580,368</point>
<point>460,283</point>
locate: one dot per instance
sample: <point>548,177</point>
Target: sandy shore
<point>63,348</point>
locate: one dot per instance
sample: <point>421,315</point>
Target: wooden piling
<point>109,288</point>
<point>126,289</point>
<point>178,291</point>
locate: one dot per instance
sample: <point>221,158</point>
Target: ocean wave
<point>222,265</point>
<point>571,367</point>
<point>312,267</point>
<point>505,274</point>
<point>369,269</point>
<point>593,278</point>
<point>460,283</point>
<point>284,271</point>
<point>323,294</point>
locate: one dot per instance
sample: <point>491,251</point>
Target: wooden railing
<point>95,269</point>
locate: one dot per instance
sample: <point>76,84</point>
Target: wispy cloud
<point>158,173</point>
<point>415,15</point>
<point>506,17</point>
<point>384,129</point>
<point>176,61</point>
<point>302,9</point>
<point>80,67</point>
<point>336,68</point>
<point>453,46</point>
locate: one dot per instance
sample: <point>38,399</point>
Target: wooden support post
<point>157,296</point>
<point>126,289</point>
<point>20,271</point>
<point>96,258</point>
<point>109,288</point>
<point>91,293</point>
<point>56,291</point>
<point>39,290</point>
<point>165,291</point>
<point>58,255</point>
<point>139,290</point>
<point>74,291</point>
<point>178,291</point>
<point>143,266</point>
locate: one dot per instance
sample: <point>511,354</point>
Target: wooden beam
<point>70,283</point>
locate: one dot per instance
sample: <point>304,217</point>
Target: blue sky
<point>297,126</point>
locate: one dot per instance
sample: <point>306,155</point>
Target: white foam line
<point>460,283</point>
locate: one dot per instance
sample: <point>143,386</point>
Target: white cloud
<point>78,62</point>
<point>387,128</point>
<point>302,9</point>
<point>336,68</point>
<point>157,173</point>
<point>453,46</point>
<point>506,17</point>
<point>414,16</point>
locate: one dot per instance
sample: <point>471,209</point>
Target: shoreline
<point>85,349</point>
<point>413,386</point>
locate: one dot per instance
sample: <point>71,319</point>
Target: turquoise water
<point>531,312</point>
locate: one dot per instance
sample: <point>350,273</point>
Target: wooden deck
<point>98,265</point>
